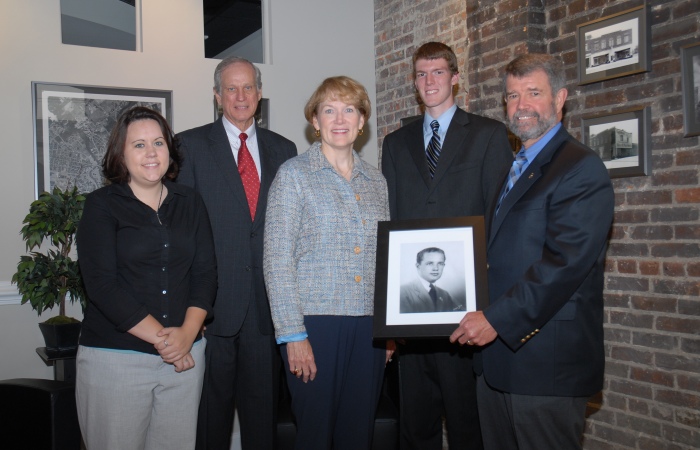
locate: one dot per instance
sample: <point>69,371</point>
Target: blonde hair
<point>340,88</point>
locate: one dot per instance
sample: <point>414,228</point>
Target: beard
<point>529,132</point>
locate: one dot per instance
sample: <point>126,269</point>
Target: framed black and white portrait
<point>430,273</point>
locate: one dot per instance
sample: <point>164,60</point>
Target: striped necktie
<point>515,170</point>
<point>433,150</point>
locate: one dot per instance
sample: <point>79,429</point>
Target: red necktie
<point>249,175</point>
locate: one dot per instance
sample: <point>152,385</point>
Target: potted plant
<point>45,279</point>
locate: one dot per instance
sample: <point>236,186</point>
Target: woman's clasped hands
<point>175,348</point>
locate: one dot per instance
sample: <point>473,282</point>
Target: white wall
<point>310,40</point>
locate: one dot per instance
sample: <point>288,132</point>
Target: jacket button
<point>358,278</point>
<point>357,250</point>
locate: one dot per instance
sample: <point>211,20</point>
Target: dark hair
<point>436,50</point>
<point>113,165</point>
<point>526,64</point>
<point>340,88</point>
<point>419,256</point>
<point>232,60</point>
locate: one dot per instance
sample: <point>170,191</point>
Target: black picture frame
<point>464,276</point>
<point>690,70</point>
<point>614,46</point>
<point>72,124</point>
<point>622,140</point>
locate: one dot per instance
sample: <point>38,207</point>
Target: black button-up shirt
<point>137,262</point>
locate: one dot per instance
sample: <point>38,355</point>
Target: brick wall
<point>401,26</point>
<point>651,398</point>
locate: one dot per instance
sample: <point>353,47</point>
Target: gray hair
<point>526,64</point>
<point>232,60</point>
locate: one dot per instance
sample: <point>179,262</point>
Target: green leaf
<point>45,279</point>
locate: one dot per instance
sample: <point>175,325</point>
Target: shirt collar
<point>124,190</point>
<point>444,121</point>
<point>318,161</point>
<point>535,149</point>
<point>426,284</point>
<point>232,130</point>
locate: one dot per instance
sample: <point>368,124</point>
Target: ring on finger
<point>470,343</point>
<point>166,343</point>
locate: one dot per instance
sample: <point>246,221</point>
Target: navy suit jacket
<point>546,255</point>
<point>475,157</point>
<point>209,166</point>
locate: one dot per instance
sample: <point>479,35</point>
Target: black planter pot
<point>62,337</point>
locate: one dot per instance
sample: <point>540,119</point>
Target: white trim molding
<point>9,295</point>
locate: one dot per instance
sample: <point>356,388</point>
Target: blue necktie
<point>515,170</point>
<point>433,150</point>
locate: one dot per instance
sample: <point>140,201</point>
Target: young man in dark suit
<point>422,295</point>
<point>542,334</point>
<point>232,163</point>
<point>448,164</point>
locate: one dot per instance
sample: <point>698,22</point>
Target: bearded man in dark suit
<point>542,352</point>
<point>232,163</point>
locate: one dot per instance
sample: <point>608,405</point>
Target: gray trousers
<point>529,422</point>
<point>136,401</point>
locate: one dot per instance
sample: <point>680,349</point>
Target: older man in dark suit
<point>448,164</point>
<point>542,334</point>
<point>232,163</point>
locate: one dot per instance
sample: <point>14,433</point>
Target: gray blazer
<point>414,298</point>
<point>209,167</point>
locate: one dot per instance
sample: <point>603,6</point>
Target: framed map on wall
<point>72,124</point>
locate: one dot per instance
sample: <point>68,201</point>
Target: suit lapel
<point>221,147</point>
<point>267,171</point>
<point>525,182</point>
<point>417,151</point>
<point>456,134</point>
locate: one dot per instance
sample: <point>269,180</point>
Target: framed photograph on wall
<point>614,46</point>
<point>690,68</point>
<point>622,140</point>
<point>72,124</point>
<point>430,273</point>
